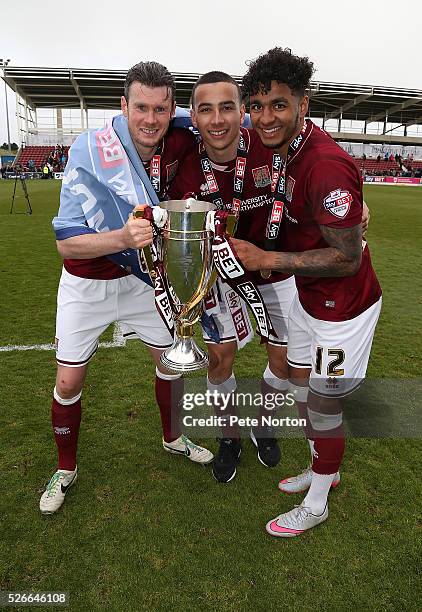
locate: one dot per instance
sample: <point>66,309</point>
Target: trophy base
<point>184,356</point>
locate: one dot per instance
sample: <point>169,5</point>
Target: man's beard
<point>293,132</point>
<point>275,145</point>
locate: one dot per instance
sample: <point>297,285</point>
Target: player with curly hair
<point>333,317</point>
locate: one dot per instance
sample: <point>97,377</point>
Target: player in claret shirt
<point>334,315</point>
<point>95,292</point>
<point>218,112</point>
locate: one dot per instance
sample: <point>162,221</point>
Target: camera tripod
<point>21,177</point>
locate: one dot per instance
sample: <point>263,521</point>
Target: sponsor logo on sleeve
<point>338,202</point>
<point>261,176</point>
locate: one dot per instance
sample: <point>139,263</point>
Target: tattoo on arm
<point>348,240</point>
<point>341,258</point>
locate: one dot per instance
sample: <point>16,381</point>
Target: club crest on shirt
<point>261,176</point>
<point>290,185</point>
<point>338,202</point>
<point>171,170</point>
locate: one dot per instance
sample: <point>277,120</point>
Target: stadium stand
<point>399,167</point>
<point>372,165</point>
<point>38,153</point>
<point>416,164</point>
<point>395,111</point>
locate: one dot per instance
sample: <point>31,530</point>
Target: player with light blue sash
<point>129,162</point>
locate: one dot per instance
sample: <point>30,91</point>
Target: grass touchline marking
<point>118,340</point>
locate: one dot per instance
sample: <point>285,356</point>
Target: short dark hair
<point>278,65</point>
<point>151,74</point>
<point>215,76</point>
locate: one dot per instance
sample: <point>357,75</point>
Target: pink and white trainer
<point>294,523</point>
<point>302,482</point>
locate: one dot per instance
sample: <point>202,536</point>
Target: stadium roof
<point>101,89</point>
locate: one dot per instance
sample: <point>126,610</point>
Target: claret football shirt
<point>324,187</point>
<point>256,198</point>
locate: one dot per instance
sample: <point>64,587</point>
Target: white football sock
<point>316,498</point>
<point>225,388</point>
<point>66,402</point>
<point>280,384</point>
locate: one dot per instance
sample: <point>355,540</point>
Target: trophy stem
<point>184,330</point>
<point>184,355</point>
<point>183,250</point>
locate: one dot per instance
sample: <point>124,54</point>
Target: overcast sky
<point>363,41</point>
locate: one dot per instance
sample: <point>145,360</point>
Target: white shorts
<point>86,307</point>
<point>337,352</point>
<point>278,298</point>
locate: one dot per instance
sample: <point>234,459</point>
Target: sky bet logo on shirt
<point>338,203</point>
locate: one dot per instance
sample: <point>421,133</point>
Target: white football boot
<point>295,522</point>
<point>302,482</point>
<point>53,496</point>
<point>184,446</point>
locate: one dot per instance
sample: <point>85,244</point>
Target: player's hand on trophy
<point>250,255</point>
<point>137,233</point>
<point>366,215</point>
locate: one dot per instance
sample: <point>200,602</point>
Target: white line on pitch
<point>118,340</point>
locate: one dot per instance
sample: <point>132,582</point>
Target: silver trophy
<point>182,251</point>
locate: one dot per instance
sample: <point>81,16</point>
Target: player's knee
<point>325,422</point>
<point>220,364</point>
<point>219,371</point>
<point>70,381</point>
<point>277,360</point>
<point>279,367</point>
<point>324,405</point>
<point>68,387</point>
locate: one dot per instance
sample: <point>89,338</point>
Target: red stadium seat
<point>38,153</point>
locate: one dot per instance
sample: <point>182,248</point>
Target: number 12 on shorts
<point>333,366</point>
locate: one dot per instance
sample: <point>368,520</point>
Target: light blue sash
<point>103,180</point>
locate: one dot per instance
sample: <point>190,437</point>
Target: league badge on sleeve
<point>338,202</point>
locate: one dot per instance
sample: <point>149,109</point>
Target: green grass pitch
<point>145,530</point>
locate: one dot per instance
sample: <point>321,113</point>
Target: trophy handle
<point>199,295</point>
<point>231,224</point>
<point>139,213</point>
